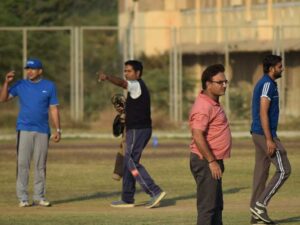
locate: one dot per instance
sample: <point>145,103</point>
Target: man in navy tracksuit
<point>268,148</point>
<point>138,133</point>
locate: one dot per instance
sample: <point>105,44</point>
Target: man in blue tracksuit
<point>138,132</point>
<point>37,98</point>
<point>268,148</point>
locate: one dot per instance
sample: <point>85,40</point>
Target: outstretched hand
<point>101,76</point>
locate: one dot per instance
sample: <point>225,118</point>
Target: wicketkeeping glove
<point>118,100</point>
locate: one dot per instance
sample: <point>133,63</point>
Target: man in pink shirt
<point>211,143</point>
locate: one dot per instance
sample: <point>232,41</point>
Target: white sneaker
<point>155,200</point>
<point>44,203</point>
<point>24,204</point>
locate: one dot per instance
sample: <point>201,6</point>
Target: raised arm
<point>114,80</point>
<point>9,77</point>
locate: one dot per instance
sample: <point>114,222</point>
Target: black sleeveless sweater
<point>138,111</point>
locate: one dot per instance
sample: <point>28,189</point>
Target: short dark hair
<point>209,72</point>
<point>136,65</point>
<point>270,61</point>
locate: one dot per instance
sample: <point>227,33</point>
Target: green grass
<point>80,187</point>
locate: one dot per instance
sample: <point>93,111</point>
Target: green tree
<point>53,47</point>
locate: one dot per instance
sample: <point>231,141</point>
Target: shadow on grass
<point>172,201</point>
<point>86,197</point>
<point>164,203</point>
<point>234,190</point>
<point>289,220</point>
<point>96,195</point>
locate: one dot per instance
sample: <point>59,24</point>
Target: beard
<point>277,75</point>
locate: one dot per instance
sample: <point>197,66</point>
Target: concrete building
<point>237,33</point>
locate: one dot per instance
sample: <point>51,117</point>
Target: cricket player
<point>138,132</point>
<point>37,97</point>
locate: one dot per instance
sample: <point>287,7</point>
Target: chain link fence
<point>173,62</point>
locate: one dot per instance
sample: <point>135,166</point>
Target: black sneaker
<point>260,211</point>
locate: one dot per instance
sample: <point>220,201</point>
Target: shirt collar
<point>34,82</point>
<point>269,78</point>
<point>208,99</point>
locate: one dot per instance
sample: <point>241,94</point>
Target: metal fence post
<point>72,73</point>
<point>171,78</point>
<point>175,80</point>
<point>227,71</point>
<point>180,110</point>
<point>77,84</point>
<point>24,36</point>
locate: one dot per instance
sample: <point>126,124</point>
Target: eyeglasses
<point>220,82</point>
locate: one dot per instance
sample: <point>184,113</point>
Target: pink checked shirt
<point>209,117</point>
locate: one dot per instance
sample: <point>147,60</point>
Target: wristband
<point>211,161</point>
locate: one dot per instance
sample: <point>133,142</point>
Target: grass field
<point>80,187</point>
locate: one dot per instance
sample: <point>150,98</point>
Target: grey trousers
<point>261,191</point>
<point>31,144</point>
